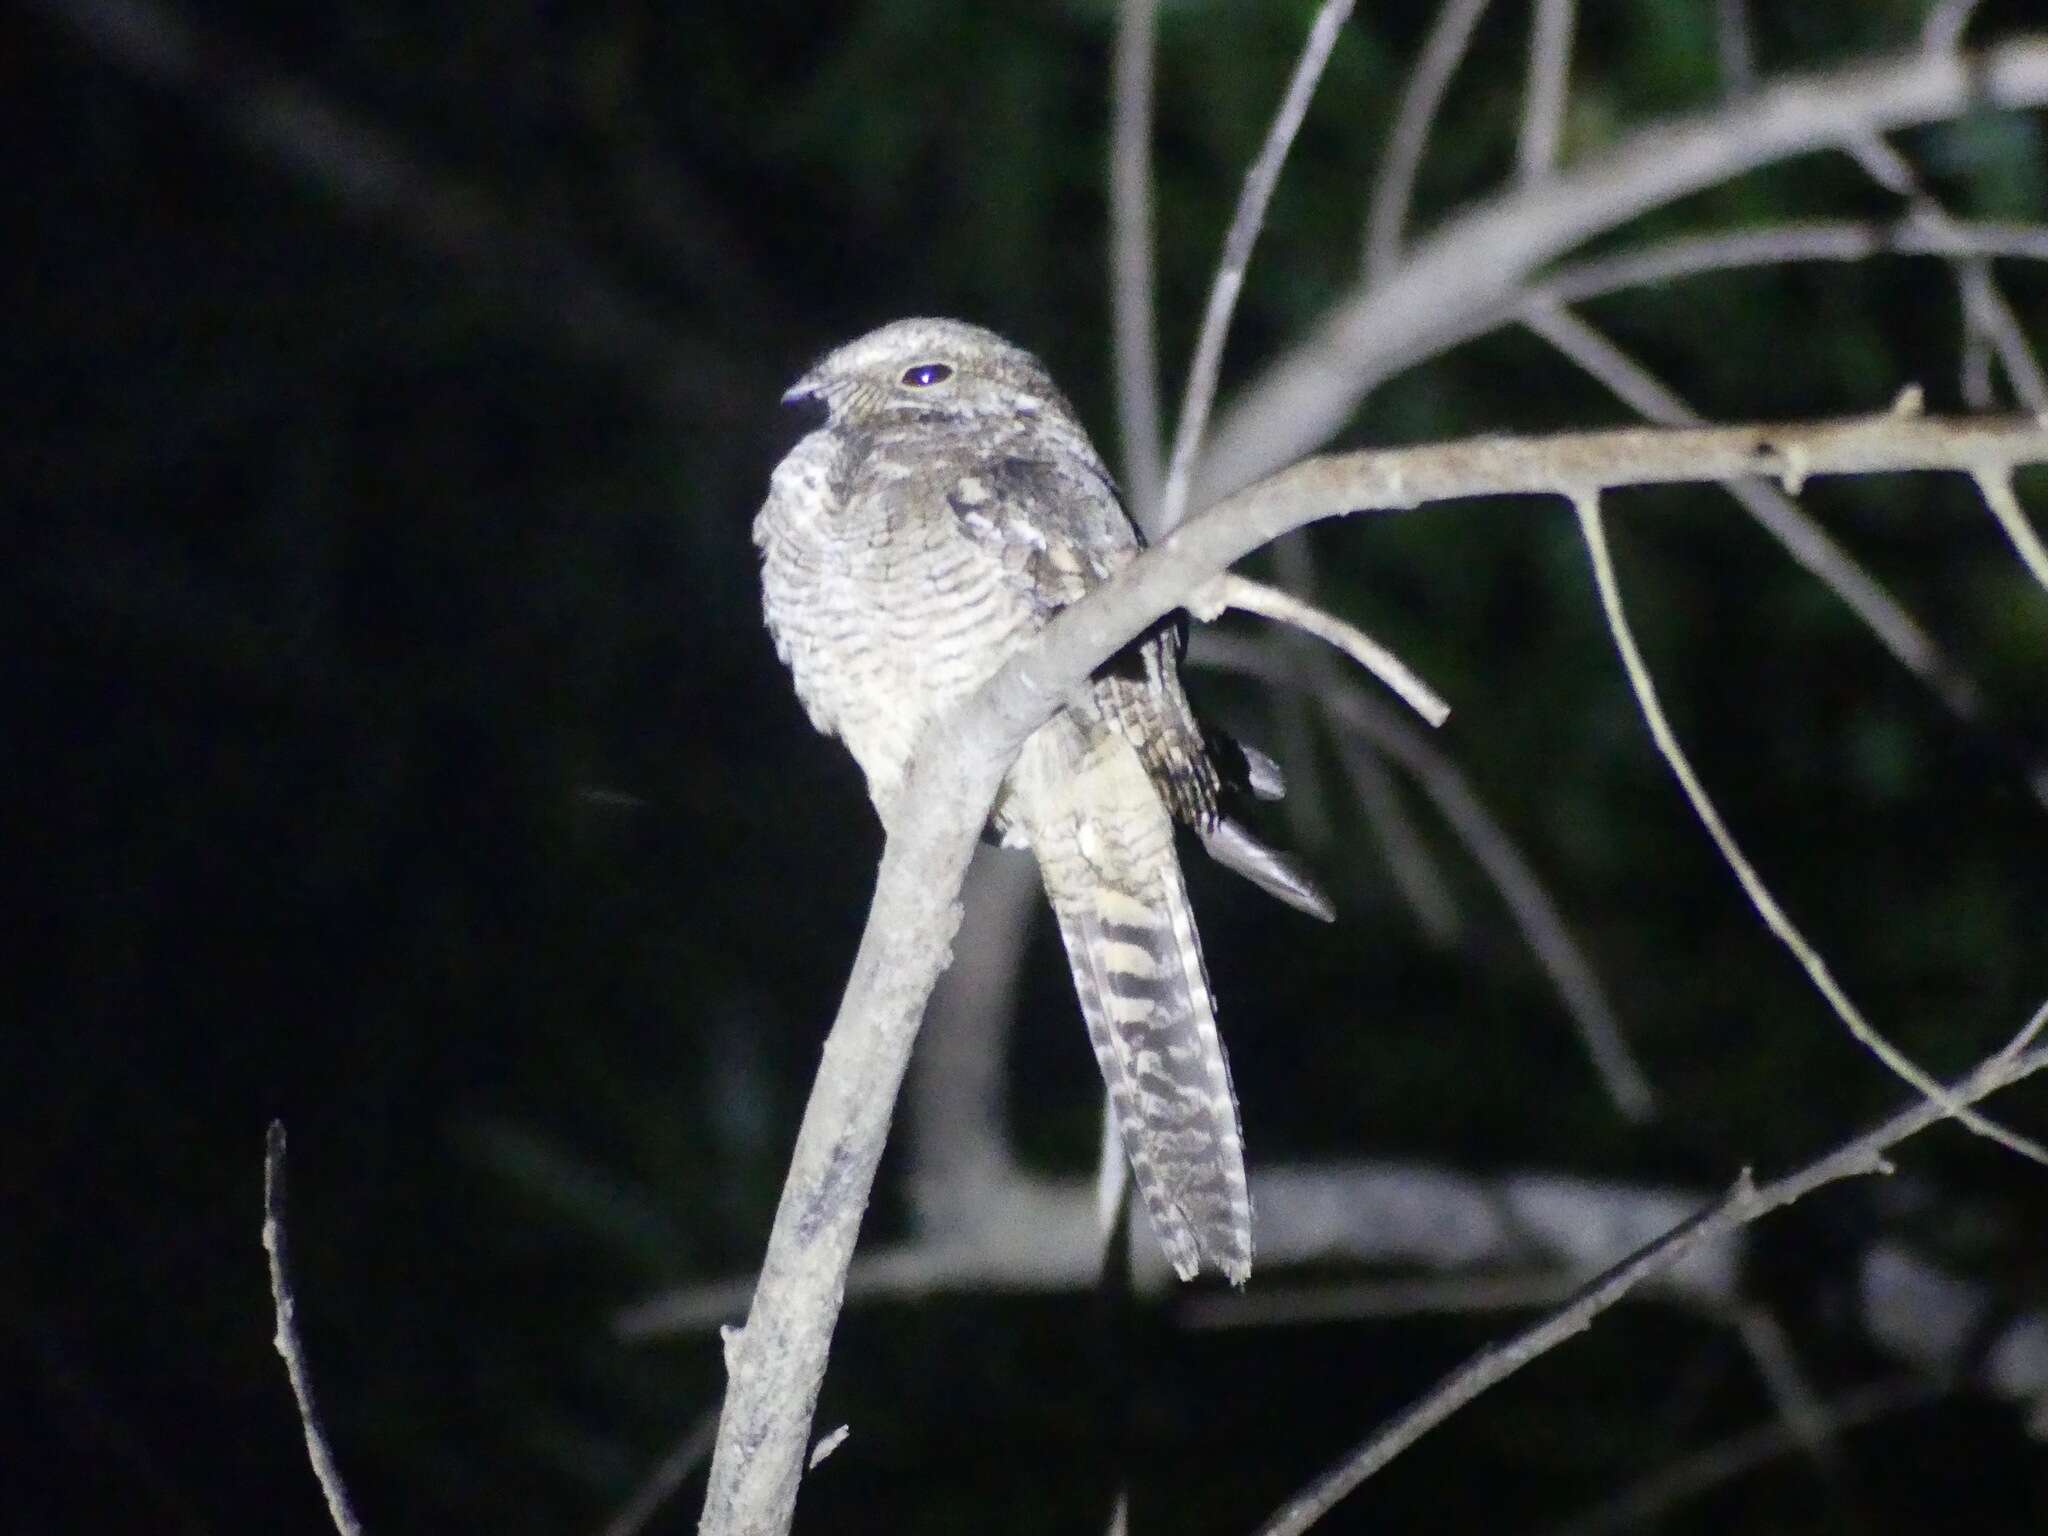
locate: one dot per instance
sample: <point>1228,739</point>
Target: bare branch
<point>1636,1508</point>
<point>1477,263</point>
<point>1738,53</point>
<point>1535,915</point>
<point>1743,1204</point>
<point>2005,506</point>
<point>660,1485</point>
<point>776,1363</point>
<point>1550,65</point>
<point>1130,256</point>
<point>1587,505</point>
<point>1778,514</point>
<point>1946,23</point>
<point>288,1343</point>
<point>1248,596</point>
<point>1245,224</point>
<point>1394,188</point>
<point>1413,867</point>
<point>1984,307</point>
<point>1791,1392</point>
<point>1771,245</point>
<point>1496,1363</point>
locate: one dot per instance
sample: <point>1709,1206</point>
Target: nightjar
<point>944,504</point>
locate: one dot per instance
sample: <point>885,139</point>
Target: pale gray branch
<point>1130,259</point>
<point>1778,514</point>
<point>1638,1507</point>
<point>2004,503</point>
<point>1737,51</point>
<point>1946,23</point>
<point>1478,263</point>
<point>1743,1204</point>
<point>289,1345</point>
<point>1587,505</point>
<point>1255,597</point>
<point>1550,67</point>
<point>1534,914</point>
<point>1773,245</point>
<point>1394,188</point>
<point>776,1362</point>
<point>1245,224</point>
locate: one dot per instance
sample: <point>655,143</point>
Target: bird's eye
<point>926,374</point>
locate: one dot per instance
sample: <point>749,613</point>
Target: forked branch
<point>776,1363</point>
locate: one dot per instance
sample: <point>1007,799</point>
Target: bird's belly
<point>880,644</point>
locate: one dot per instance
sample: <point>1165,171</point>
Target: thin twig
<point>1943,32</point>
<point>1985,309</point>
<point>1248,596</point>
<point>1639,1507</point>
<point>1737,52</point>
<point>668,1474</point>
<point>1245,224</point>
<point>1778,514</point>
<point>1497,1362</point>
<point>1587,505</point>
<point>1413,867</point>
<point>1394,188</point>
<point>1780,244</point>
<point>1529,904</point>
<point>1744,1203</point>
<point>1543,107</point>
<point>2004,503</point>
<point>1475,264</point>
<point>287,1340</point>
<point>776,1364</point>
<point>1785,1380</point>
<point>1130,258</point>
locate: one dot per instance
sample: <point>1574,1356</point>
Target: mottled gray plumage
<point>945,505</point>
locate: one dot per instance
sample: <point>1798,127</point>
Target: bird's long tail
<point>1105,849</point>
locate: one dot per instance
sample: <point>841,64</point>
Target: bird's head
<point>912,369</point>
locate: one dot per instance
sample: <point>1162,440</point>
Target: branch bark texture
<point>776,1363</point>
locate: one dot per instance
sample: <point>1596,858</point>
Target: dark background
<point>392,745</point>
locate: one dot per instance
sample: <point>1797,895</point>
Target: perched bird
<point>944,504</point>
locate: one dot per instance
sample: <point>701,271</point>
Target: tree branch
<point>1742,1205</point>
<point>1387,220</point>
<point>1477,263</point>
<point>1245,224</point>
<point>776,1363</point>
<point>290,1346</point>
<point>1132,305</point>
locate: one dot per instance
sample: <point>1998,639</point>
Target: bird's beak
<point>805,390</point>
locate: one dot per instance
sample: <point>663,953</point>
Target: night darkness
<point>393,747</point>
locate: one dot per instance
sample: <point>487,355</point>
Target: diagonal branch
<point>1529,905</point>
<point>1259,183</point>
<point>776,1363</point>
<point>1587,505</point>
<point>1387,221</point>
<point>1743,1204</point>
<point>1550,66</point>
<point>1131,297</point>
<point>1777,513</point>
<point>1478,262</point>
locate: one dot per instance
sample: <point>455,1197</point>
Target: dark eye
<point>925,374</point>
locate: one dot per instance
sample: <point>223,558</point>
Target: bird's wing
<point>1056,528</point>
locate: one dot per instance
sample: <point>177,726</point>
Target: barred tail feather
<point>1138,971</point>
